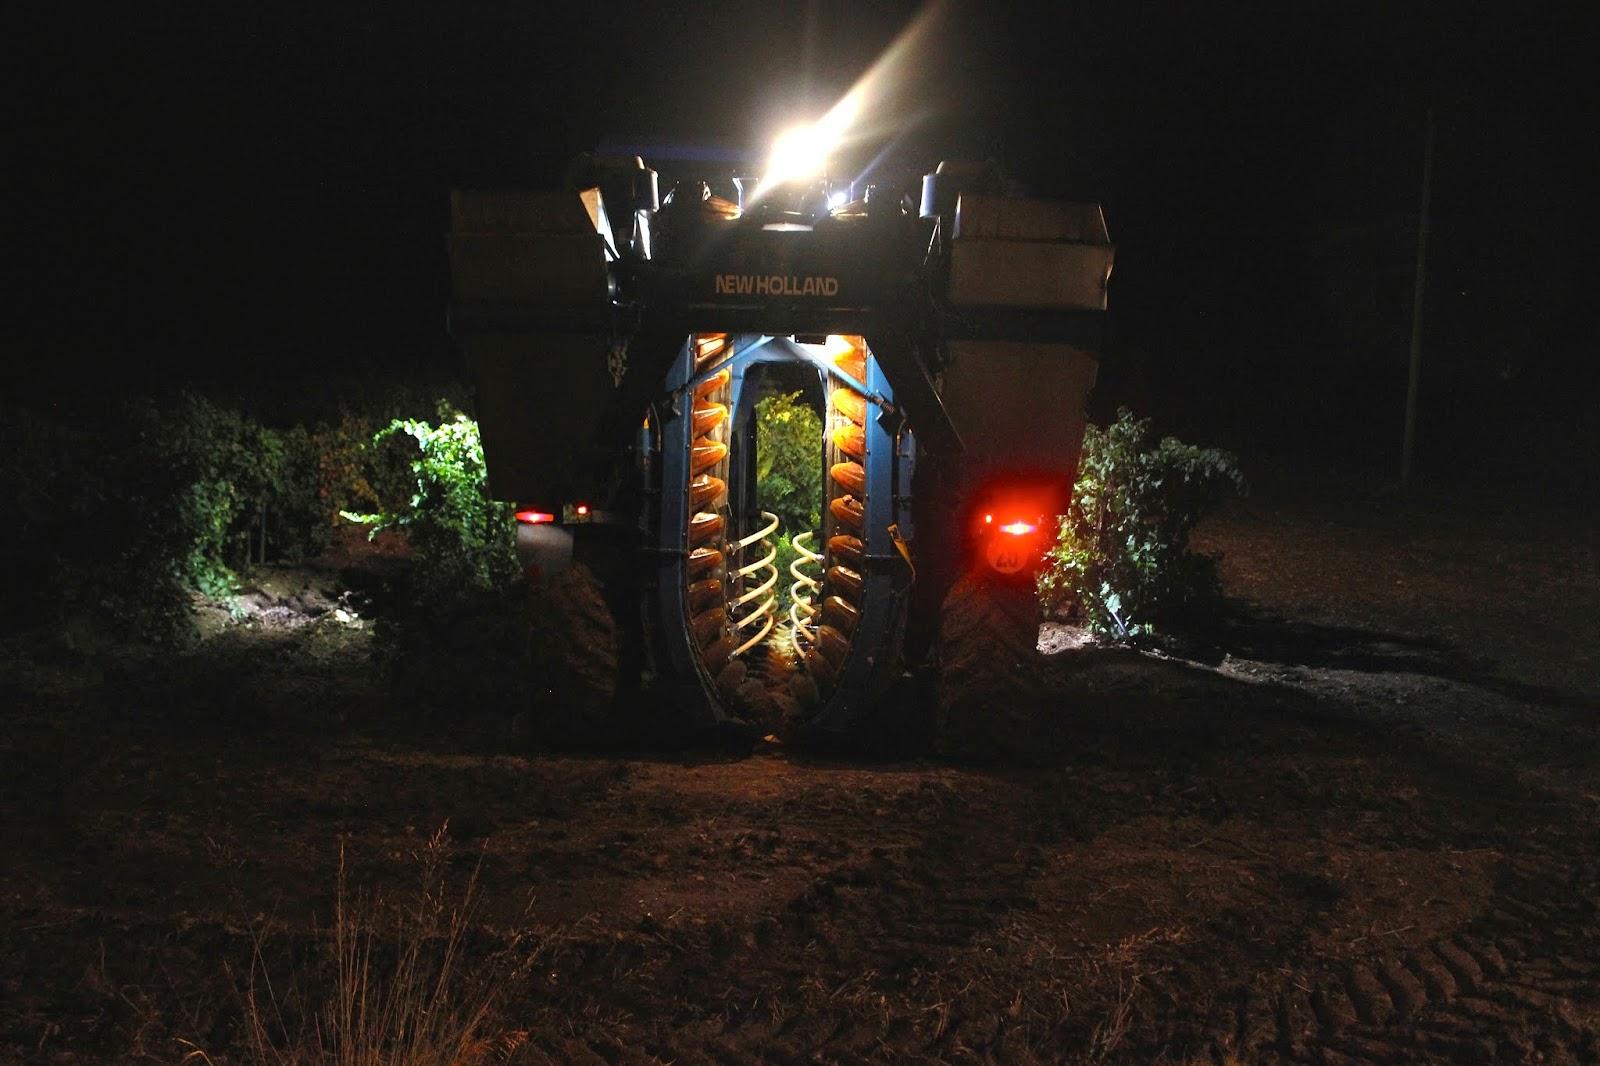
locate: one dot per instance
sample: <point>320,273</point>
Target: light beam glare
<point>804,151</point>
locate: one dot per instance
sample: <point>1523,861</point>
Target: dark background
<point>255,195</point>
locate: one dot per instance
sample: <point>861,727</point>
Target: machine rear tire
<point>575,646</point>
<point>988,670</point>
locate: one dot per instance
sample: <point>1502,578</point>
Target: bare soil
<point>1359,822</point>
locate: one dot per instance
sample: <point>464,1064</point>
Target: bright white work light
<point>799,152</point>
<point>802,152</point>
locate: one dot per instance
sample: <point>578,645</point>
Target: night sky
<point>237,189</point>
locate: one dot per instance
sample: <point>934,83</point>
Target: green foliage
<point>1122,552</point>
<point>788,449</point>
<point>784,546</point>
<point>226,468</point>
<point>92,532</point>
<point>120,509</point>
<point>465,542</point>
<point>123,508</point>
<point>325,471</point>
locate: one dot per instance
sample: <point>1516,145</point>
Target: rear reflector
<point>534,518</point>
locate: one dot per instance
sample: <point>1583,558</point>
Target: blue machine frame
<point>889,460</point>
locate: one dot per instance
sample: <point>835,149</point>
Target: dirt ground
<point>1359,822</point>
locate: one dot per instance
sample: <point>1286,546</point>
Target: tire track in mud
<point>875,956</point>
<point>830,970</point>
<point>1519,983</point>
<point>888,922</point>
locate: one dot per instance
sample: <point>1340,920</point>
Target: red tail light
<point>535,518</point>
<point>1011,527</point>
<point>1011,544</point>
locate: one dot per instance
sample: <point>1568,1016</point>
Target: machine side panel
<point>541,270</point>
<point>1034,274</point>
<point>1021,219</point>
<point>520,211</point>
<point>535,255</point>
<point>537,395</point>
<point>1034,254</point>
<point>1018,403</point>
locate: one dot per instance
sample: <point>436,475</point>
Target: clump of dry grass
<point>1127,964</point>
<point>393,984</point>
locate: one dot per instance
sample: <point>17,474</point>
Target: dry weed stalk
<point>1126,960</point>
<point>403,992</point>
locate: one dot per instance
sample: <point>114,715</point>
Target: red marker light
<point>1019,528</point>
<point>583,509</point>
<point>988,519</point>
<point>534,518</point>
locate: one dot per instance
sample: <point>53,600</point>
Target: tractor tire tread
<point>988,670</point>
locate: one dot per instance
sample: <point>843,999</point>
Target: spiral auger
<point>761,616</point>
<point>708,513</point>
<point>802,593</point>
<point>845,520</point>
